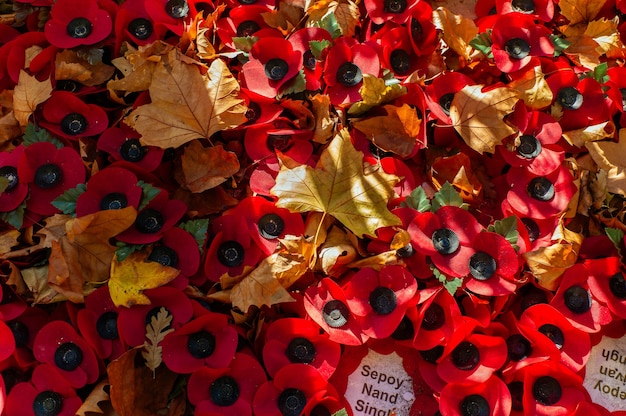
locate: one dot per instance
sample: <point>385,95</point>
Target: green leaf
<point>451,285</point>
<point>599,73</point>
<point>330,24</point>
<point>507,228</point>
<point>317,48</point>
<point>124,250</point>
<point>198,229</point>
<point>66,202</point>
<point>342,412</point>
<point>34,134</point>
<point>148,193</point>
<point>294,86</point>
<point>482,42</point>
<point>447,195</point>
<point>559,44</point>
<point>244,43</point>
<point>14,218</point>
<point>615,235</point>
<point>417,200</point>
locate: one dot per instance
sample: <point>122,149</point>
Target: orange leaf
<point>69,65</point>
<point>458,31</point>
<point>611,157</point>
<point>207,167</point>
<point>457,170</point>
<point>97,399</point>
<point>8,240</point>
<point>479,116</point>
<point>29,93</point>
<point>580,11</point>
<point>324,123</point>
<point>36,279</point>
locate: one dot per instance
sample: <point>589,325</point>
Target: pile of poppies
<point>505,266</point>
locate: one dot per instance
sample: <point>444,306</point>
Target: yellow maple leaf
<point>580,11</point>
<point>129,278</point>
<point>187,105</point>
<point>324,123</point>
<point>28,94</point>
<point>285,18</point>
<point>346,13</point>
<point>533,88</point>
<point>458,30</point>
<point>69,65</point>
<point>207,167</point>
<point>611,157</point>
<point>338,186</point>
<point>479,116</point>
<point>591,133</point>
<point>375,91</point>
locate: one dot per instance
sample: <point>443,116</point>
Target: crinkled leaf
<point>611,157</point>
<point>92,403</point>
<point>533,88</point>
<point>14,218</point>
<point>451,285</point>
<point>28,94</point>
<point>591,133</point>
<point>34,134</point>
<point>156,330</point>
<point>318,47</point>
<point>148,193</point>
<point>580,11</point>
<point>375,91</point>
<point>198,229</point>
<point>447,195</point>
<point>458,30</point>
<point>507,228</point>
<point>418,200</point>
<point>66,202</point>
<point>206,167</point>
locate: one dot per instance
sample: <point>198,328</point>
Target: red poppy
<point>242,21</point>
<point>24,328</point>
<point>134,24</point>
<point>538,9</point>
<point>260,109</point>
<point>122,144</point>
<point>77,22</point>
<point>230,390</point>
<point>208,340</point>
<point>491,397</point>
<point>47,393</point>
<point>170,14</point>
<point>438,320</point>
<point>440,92</point>
<point>49,172</point>
<point>59,345</point>
<point>446,237</point>
<point>295,390</point>
<point>7,345</point>
<point>15,192</point>
<point>397,52</point>
<point>517,39</point>
<point>177,249</point>
<point>263,141</point>
<point>422,31</point>
<point>11,304</point>
<point>616,89</point>
<point>607,284</point>
<point>397,11</point>
<point>537,196</point>
<point>66,115</point>
<point>131,322</point>
<point>573,344</point>
<point>313,68</point>
<point>13,58</point>
<point>154,220</point>
<point>110,188</point>
<point>327,305</point>
<point>346,63</point>
<point>232,250</point>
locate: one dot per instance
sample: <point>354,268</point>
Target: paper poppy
<point>110,188</point>
<point>133,23</point>
<point>438,320</point>
<point>49,172</point>
<point>230,389</point>
<point>422,31</point>
<point>491,397</point>
<point>24,329</point>
<point>66,115</point>
<point>264,140</point>
<point>538,9</point>
<point>243,20</point>
<point>259,109</point>
<point>397,11</point>
<point>607,283</point>
<point>13,58</point>
<point>313,68</point>
<point>15,192</point>
<point>123,144</point>
<point>59,345</point>
<point>177,249</point>
<point>440,93</point>
<point>47,393</point>
<point>616,88</point>
<point>397,52</point>
<point>76,22</point>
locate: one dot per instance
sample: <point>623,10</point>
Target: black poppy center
<point>554,333</point>
<point>48,176</point>
<point>164,255</point>
<point>224,391</point>
<point>11,376</point>
<point>517,48</point>
<point>10,174</point>
<point>74,124</point>
<point>280,142</point>
<point>570,98</point>
<point>404,331</point>
<point>577,299</point>
<point>445,241</point>
<point>417,31</point>
<point>383,300</point>
<point>465,356</point>
<point>623,94</point>
<point>541,189</point>
<point>309,60</point>
<point>247,28</point>
<point>291,402</point>
<point>400,61</point>
<point>253,112</point>
<point>20,333</point>
<point>335,313</point>
<point>271,226</point>
<point>301,350</point>
<point>201,344</point>
<point>516,388</point>
<point>177,8</point>
<point>482,266</point>
<point>349,74</point>
<point>276,69</point>
<point>434,317</point>
<point>617,285</point>
<point>395,6</point>
<point>132,150</point>
<point>320,410</point>
<point>445,102</point>
<point>149,221</point>
<point>532,228</point>
<point>523,6</point>
<point>68,356</point>
<point>106,325</point>
<point>529,147</point>
<point>114,200</point>
<point>47,403</point>
<point>433,354</point>
<point>547,390</point>
<point>475,405</point>
<point>247,1</point>
<point>140,28</point>
<point>518,346</point>
<point>230,253</point>
<point>68,85</point>
<point>79,28</point>
<point>406,251</point>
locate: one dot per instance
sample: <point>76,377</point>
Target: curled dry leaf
<point>592,133</point>
<point>533,88</point>
<point>335,253</point>
<point>28,94</point>
<point>8,240</point>
<point>69,65</point>
<point>95,403</point>
<point>611,157</point>
<point>324,122</point>
<point>36,279</point>
<point>156,330</point>
<point>207,167</point>
<point>374,92</point>
<point>345,11</point>
<point>458,30</point>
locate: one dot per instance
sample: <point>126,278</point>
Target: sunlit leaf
<point>418,200</point>
<point>533,88</point>
<point>28,94</point>
<point>507,228</point>
<point>458,30</point>
<point>580,11</point>
<point>611,157</point>
<point>207,167</point>
<point>447,195</point>
<point>374,92</point>
<point>591,133</point>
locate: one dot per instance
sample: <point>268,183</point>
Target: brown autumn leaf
<point>10,274</point>
<point>207,167</point>
<point>465,8</point>
<point>533,88</point>
<point>69,65</point>
<point>580,11</point>
<point>212,201</point>
<point>156,330</point>
<point>9,126</point>
<point>284,18</point>
<point>345,11</point>
<point>339,187</point>
<point>611,157</point>
<point>457,170</point>
<point>187,105</point>
<point>36,279</point>
<point>458,30</point>
<point>396,131</point>
<point>479,117</point>
<point>82,257</point>
<point>8,240</point>
<point>336,252</point>
<point>95,403</point>
<point>304,118</point>
<point>591,133</point>
<point>28,94</point>
<point>135,392</point>
<point>324,123</point>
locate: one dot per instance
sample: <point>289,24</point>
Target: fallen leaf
<point>36,279</point>
<point>605,33</point>
<point>9,128</point>
<point>284,18</point>
<point>479,117</point>
<point>187,105</point>
<point>28,94</point>
<point>345,12</point>
<point>129,278</point>
<point>396,131</point>
<point>304,118</point>
<point>533,88</point>
<point>92,403</point>
<point>580,11</point>
<point>457,170</point>
<point>336,252</point>
<point>375,92</point>
<point>207,167</point>
<point>338,186</point>
<point>458,30</point>
<point>465,8</point>
<point>69,65</point>
<point>592,133</point>
<point>324,123</point>
<point>156,330</point>
<point>377,261</point>
<point>8,240</point>
<point>212,201</point>
<point>611,157</point>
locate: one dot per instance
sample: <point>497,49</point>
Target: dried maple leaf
<point>187,105</point>
<point>338,186</point>
<point>374,92</point>
<point>335,253</point>
<point>479,116</point>
<point>324,123</point>
<point>156,330</point>
<point>8,240</point>
<point>28,94</point>
<point>9,126</point>
<point>36,279</point>
<point>611,157</point>
<point>69,65</point>
<point>92,404</point>
<point>580,11</point>
<point>591,133</point>
<point>533,88</point>
<point>284,18</point>
<point>134,275</point>
<point>207,167</point>
<point>458,30</point>
<point>345,12</point>
<point>457,170</point>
